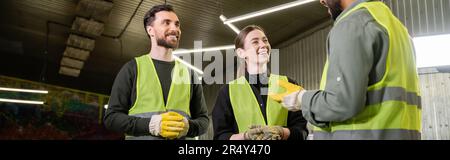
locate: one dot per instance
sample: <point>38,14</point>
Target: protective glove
<point>272,133</point>
<point>174,125</point>
<point>253,132</point>
<point>258,132</point>
<point>293,101</point>
<point>290,88</point>
<point>168,125</point>
<point>185,128</point>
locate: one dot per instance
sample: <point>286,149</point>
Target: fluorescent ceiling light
<point>234,28</point>
<point>188,65</point>
<point>20,101</point>
<point>198,50</point>
<point>218,48</point>
<point>23,90</point>
<point>267,11</point>
<point>432,51</point>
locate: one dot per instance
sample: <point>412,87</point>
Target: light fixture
<point>267,11</point>
<point>432,51</point>
<point>188,65</point>
<point>76,53</point>
<point>24,90</point>
<point>89,23</point>
<point>97,9</point>
<point>218,48</point>
<point>72,63</point>
<point>69,71</point>
<point>89,27</point>
<point>20,101</point>
<point>81,42</point>
<point>234,28</point>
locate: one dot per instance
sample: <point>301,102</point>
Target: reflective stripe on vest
<point>246,108</point>
<point>149,95</point>
<point>386,134</point>
<point>392,108</point>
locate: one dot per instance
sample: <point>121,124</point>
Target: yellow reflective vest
<point>392,108</point>
<point>149,94</point>
<point>246,108</point>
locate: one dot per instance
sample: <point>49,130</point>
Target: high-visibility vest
<point>149,94</point>
<point>393,106</point>
<point>246,108</point>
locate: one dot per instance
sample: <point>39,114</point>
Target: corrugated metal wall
<point>304,58</point>
<point>423,17</point>
<point>435,106</point>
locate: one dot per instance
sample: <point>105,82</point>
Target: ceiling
<point>24,34</point>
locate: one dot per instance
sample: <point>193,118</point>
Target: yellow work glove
<point>173,125</point>
<point>290,88</point>
<point>185,128</point>
<point>169,125</point>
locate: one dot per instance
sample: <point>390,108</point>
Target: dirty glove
<point>272,133</point>
<point>253,133</point>
<point>258,132</point>
<point>290,88</point>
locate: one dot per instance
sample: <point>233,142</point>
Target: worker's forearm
<point>198,126</point>
<point>123,123</point>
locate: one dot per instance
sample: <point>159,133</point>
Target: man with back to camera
<point>370,87</point>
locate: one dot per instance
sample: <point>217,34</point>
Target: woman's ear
<point>240,52</point>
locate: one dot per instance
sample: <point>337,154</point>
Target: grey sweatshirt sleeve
<point>354,45</point>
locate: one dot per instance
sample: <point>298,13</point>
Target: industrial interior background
<point>43,47</point>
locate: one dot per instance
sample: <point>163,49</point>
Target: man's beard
<point>335,8</point>
<point>162,42</point>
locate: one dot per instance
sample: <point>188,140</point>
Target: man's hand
<point>290,88</point>
<point>169,125</point>
<point>259,132</point>
<point>291,99</point>
<point>272,133</point>
<point>253,132</point>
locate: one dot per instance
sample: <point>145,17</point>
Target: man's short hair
<point>150,15</point>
